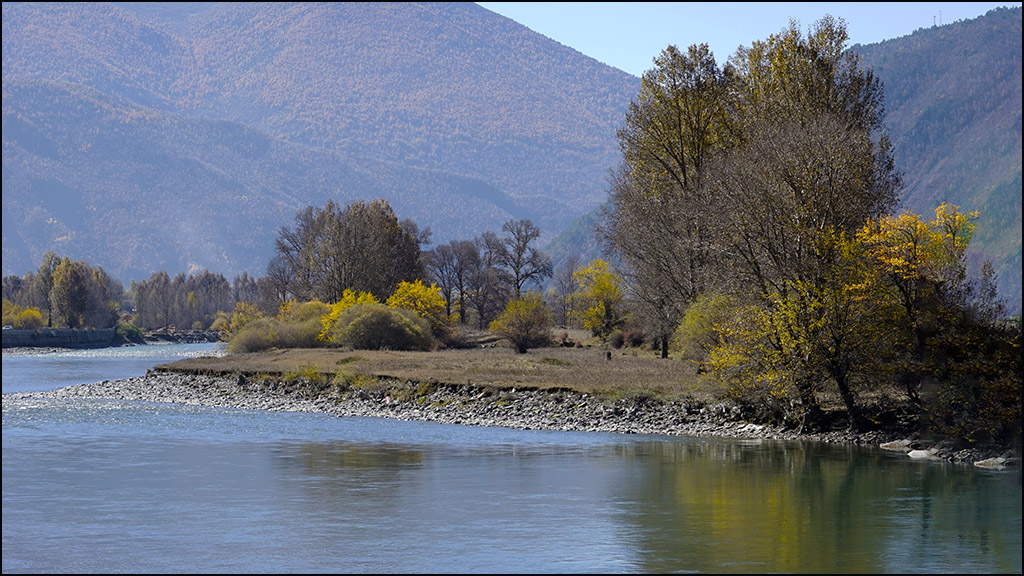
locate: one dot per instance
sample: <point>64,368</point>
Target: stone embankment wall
<point>61,338</point>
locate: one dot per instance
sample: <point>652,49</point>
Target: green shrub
<point>299,334</point>
<point>130,333</point>
<point>254,336</point>
<point>302,312</point>
<point>306,373</point>
<point>244,314</point>
<point>296,325</point>
<point>372,326</point>
<point>702,326</point>
<point>616,339</point>
<point>525,323</point>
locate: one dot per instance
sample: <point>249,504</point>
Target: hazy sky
<point>628,35</point>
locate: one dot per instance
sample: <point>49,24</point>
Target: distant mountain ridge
<point>211,124</point>
<point>953,101</point>
<point>181,136</point>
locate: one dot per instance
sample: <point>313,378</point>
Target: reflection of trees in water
<point>341,476</point>
<point>714,506</point>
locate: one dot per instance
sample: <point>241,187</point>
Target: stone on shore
<point>471,405</point>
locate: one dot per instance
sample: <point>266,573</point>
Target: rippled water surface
<point>117,486</point>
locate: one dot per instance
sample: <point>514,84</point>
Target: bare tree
<point>516,253</point>
<point>565,284</point>
<point>362,247</point>
<point>486,284</point>
<point>441,266</point>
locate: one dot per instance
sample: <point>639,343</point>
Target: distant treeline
<point>362,247</point>
<point>63,293</point>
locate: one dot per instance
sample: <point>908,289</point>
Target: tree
<point>467,260</point>
<point>525,323</point>
<point>523,262</point>
<point>814,164</point>
<point>441,266</point>
<point>363,247</point>
<point>598,302</point>
<point>756,177</point>
<point>815,160</point>
<point>920,270</point>
<point>69,296</point>
<point>43,284</point>
<point>104,298</point>
<point>305,254</point>
<point>276,286</point>
<point>487,284</point>
<point>244,288</point>
<point>153,300</point>
<point>12,288</point>
<point>565,285</point>
<point>450,266</point>
<point>662,207</point>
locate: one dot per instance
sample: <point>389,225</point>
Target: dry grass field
<point>587,369</point>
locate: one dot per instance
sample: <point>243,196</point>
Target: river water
<point>103,486</point>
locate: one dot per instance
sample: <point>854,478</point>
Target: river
<point>105,486</point>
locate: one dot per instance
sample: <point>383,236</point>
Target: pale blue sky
<point>628,35</point>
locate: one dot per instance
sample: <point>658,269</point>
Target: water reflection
<point>140,487</point>
<point>804,508</point>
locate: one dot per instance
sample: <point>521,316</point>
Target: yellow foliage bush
<point>525,323</point>
<point>598,303</point>
<point>21,317</point>
<point>244,313</point>
<point>426,301</point>
<point>349,298</point>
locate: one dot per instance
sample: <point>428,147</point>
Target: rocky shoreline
<point>510,408</point>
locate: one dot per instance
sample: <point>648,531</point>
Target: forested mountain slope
<point>162,136</point>
<point>953,103</point>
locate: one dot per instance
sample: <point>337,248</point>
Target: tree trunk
<point>812,413</point>
<point>842,382</point>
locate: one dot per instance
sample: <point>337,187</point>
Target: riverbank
<point>42,341</point>
<point>520,408</point>
<point>61,338</point>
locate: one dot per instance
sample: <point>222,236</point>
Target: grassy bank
<point>485,384</point>
<point>587,370</point>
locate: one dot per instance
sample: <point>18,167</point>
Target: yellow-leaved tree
<point>22,317</point>
<point>920,270</point>
<point>808,334</point>
<point>961,359</point>
<point>598,300</point>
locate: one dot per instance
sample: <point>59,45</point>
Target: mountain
<point>146,136</point>
<point>953,109</point>
<point>178,137</point>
